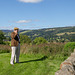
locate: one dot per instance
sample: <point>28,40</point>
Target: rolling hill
<point>47,33</point>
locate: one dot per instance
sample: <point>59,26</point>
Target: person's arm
<point>13,35</point>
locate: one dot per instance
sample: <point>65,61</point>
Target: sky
<point>36,14</point>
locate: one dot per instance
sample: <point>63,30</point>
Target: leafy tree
<point>1,37</point>
<point>25,39</point>
<point>39,40</point>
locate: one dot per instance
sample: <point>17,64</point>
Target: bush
<point>25,39</point>
<point>7,43</point>
<point>69,46</point>
<point>1,37</point>
<point>39,40</point>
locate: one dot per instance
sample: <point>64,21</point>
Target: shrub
<point>25,39</point>
<point>69,46</point>
<point>39,40</point>
<point>1,37</point>
<point>7,43</point>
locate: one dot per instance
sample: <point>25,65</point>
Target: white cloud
<point>23,21</point>
<point>30,1</point>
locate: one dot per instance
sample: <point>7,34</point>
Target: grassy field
<point>30,64</point>
<point>43,59</point>
<point>59,34</point>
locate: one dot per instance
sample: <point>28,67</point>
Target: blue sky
<point>36,14</point>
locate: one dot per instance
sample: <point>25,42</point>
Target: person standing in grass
<point>15,46</point>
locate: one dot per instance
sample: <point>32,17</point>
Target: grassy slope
<point>59,34</point>
<point>56,30</point>
<point>51,33</point>
<point>30,65</point>
<point>45,31</point>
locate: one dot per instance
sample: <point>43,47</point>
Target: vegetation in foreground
<point>43,59</point>
<point>30,64</point>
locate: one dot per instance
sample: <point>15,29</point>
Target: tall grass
<point>50,49</point>
<point>4,48</point>
<point>46,49</point>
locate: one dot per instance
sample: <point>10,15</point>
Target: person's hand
<point>16,33</point>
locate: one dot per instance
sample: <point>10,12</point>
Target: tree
<point>39,40</point>
<point>1,37</point>
<point>25,39</point>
